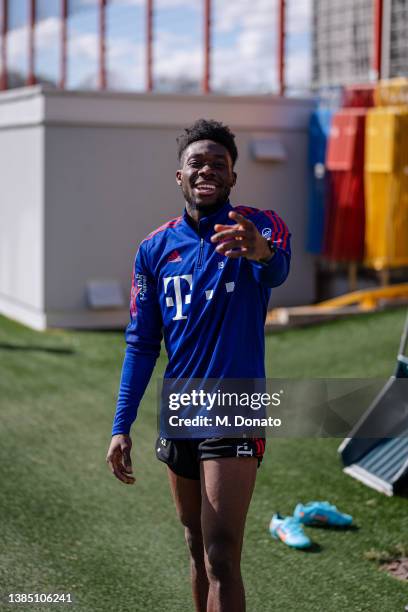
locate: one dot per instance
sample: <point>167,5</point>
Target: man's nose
<point>206,170</point>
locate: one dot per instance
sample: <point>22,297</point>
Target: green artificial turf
<point>67,525</point>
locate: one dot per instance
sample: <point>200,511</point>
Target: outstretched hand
<point>118,458</point>
<point>241,240</point>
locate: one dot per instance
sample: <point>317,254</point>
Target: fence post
<point>206,87</point>
<point>378,22</point>
<point>149,45</point>
<point>4,28</point>
<point>31,46</point>
<point>63,42</point>
<point>281,46</point>
<point>102,45</point>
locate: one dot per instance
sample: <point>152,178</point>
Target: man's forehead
<point>206,147</point>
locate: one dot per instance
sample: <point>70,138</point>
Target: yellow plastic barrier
<point>391,92</point>
<point>386,187</point>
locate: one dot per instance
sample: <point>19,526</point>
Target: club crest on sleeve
<point>266,232</point>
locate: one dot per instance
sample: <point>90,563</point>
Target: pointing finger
<point>229,233</point>
<point>240,219</point>
<point>219,227</point>
<point>227,246</point>
<point>236,253</point>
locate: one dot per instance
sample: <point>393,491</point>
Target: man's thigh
<point>227,485</point>
<point>187,498</point>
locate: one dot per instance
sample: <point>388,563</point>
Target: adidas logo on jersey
<point>174,257</point>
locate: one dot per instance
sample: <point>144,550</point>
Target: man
<point>204,279</point>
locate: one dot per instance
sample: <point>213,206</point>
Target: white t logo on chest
<point>179,297</point>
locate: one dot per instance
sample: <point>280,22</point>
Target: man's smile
<point>205,188</point>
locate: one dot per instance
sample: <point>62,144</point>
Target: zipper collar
<point>206,224</point>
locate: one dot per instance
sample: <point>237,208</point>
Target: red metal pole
<point>64,18</point>
<point>378,21</point>
<point>102,44</point>
<point>4,28</point>
<point>149,45</point>
<point>31,46</point>
<point>281,46</point>
<point>207,47</point>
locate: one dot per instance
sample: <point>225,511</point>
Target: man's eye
<point>194,164</point>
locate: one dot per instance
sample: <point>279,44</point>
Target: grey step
<point>383,466</point>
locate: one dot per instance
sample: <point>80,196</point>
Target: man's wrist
<point>120,433</point>
<point>270,250</point>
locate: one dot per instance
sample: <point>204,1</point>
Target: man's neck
<point>196,214</point>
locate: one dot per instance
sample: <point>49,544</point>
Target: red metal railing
<point>206,88</point>
<point>31,46</point>
<point>281,46</point>
<point>378,20</point>
<point>149,45</point>
<point>149,41</point>
<point>4,28</point>
<point>102,45</point>
<point>63,67</point>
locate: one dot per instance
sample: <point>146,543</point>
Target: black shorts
<point>183,456</point>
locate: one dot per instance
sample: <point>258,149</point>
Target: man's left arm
<point>269,257</point>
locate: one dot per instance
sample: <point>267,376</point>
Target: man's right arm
<point>143,337</point>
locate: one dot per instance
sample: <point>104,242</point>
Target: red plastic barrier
<point>345,220</point>
<point>358,96</point>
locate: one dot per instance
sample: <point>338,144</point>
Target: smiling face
<point>206,176</point>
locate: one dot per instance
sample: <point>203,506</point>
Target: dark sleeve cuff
<point>275,271</point>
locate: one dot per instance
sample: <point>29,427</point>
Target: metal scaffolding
<point>398,39</point>
<point>344,35</point>
<point>359,41</point>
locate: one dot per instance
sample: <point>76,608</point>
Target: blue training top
<point>210,309</point>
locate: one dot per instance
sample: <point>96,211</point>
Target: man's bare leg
<point>187,497</point>
<point>227,485</point>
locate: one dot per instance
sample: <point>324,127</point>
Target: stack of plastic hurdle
<point>345,218</point>
<point>386,172</point>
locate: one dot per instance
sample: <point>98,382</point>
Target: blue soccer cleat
<point>321,513</point>
<point>289,531</point>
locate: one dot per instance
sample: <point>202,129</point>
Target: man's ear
<point>234,180</point>
<point>178,177</point>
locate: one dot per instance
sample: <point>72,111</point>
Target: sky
<point>244,43</point>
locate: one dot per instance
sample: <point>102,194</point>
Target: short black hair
<point>208,129</point>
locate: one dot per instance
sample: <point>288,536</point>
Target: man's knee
<point>223,559</point>
<point>194,540</point>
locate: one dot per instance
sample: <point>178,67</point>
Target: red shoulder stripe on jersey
<point>283,235</point>
<point>283,232</point>
<point>279,224</point>
<point>271,217</point>
<point>133,297</point>
<point>171,223</point>
<point>245,211</point>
